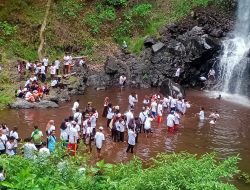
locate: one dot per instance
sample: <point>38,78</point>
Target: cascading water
<point>234,60</point>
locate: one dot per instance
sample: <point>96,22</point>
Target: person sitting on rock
<point>29,96</point>
<point>211,74</point>
<point>46,89</point>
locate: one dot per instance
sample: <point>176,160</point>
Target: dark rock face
<point>191,45</point>
<point>168,87</point>
<point>23,104</point>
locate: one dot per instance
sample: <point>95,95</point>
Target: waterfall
<point>234,60</point>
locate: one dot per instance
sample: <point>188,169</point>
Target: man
<point>10,146</point>
<point>75,106</point>
<point>82,62</point>
<point>3,140</point>
<point>131,140</point>
<point>66,64</point>
<point>129,115</point>
<point>132,99</point>
<point>73,136</point>
<point>99,138</point>
<point>43,72</point>
<point>29,149</point>
<point>143,116</point>
<point>57,65</point>
<point>154,108</point>
<point>177,74</point>
<point>122,80</point>
<point>46,63</point>
<point>170,121</point>
<point>201,114</point>
<point>78,117</point>
<point>36,137</point>
<point>52,71</point>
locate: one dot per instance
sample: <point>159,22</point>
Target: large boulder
<point>23,104</point>
<point>58,95</point>
<point>170,88</point>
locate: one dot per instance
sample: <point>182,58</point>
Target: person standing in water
<point>75,106</point>
<point>131,140</point>
<point>99,138</point>
<point>170,122</point>
<point>122,81</point>
<point>201,114</point>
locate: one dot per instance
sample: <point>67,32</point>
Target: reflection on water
<point>229,136</point>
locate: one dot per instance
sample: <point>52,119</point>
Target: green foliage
<point>117,3</point>
<point>167,171</point>
<point>102,15</point>
<point>141,10</point>
<point>136,45</point>
<point>70,8</point>
<point>7,29</point>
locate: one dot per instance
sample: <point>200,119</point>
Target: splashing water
<point>233,62</point>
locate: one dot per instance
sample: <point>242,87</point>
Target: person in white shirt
<point>82,61</point>
<point>176,121</point>
<point>201,115</point>
<point>159,112</point>
<point>66,64</point>
<point>177,74</point>
<point>171,121</point>
<point>131,140</point>
<point>172,102</point>
<point>92,120</point>
<point>50,127</point>
<point>75,106</point>
<point>122,125</point>
<point>99,138</point>
<point>214,115</point>
<point>5,130</point>
<point>3,140</point>
<point>211,74</point>
<point>147,125</point>
<point>28,66</point>
<point>132,99</point>
<point>122,80</point>
<point>57,65</point>
<point>14,134</point>
<point>43,72</point>
<point>52,71</point>
<point>78,129</point>
<point>154,108</point>
<point>46,63</point>
<point>143,116</point>
<point>10,146</point>
<point>44,151</point>
<point>110,114</point>
<point>29,149</point>
<point>78,117</point>
<point>29,97</point>
<point>165,103</point>
<point>146,101</point>
<point>129,116</point>
<point>64,131</point>
<point>73,136</point>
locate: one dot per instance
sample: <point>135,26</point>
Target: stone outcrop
<point>23,104</point>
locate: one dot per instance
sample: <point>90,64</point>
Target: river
<point>230,136</point>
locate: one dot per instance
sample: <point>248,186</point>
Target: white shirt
<point>43,152</point>
<point>131,137</point>
<point>99,138</point>
<point>27,82</point>
<point>73,135</point>
<point>122,79</point>
<point>45,61</point>
<point>14,134</point>
<point>27,66</point>
<point>110,113</point>
<point>78,116</point>
<point>52,70</point>
<point>75,106</point>
<point>3,140</point>
<point>159,109</point>
<point>178,72</point>
<point>170,120</point>
<point>201,115</point>
<point>132,100</point>
<point>81,62</point>
<point>129,116</point>
<point>173,102</point>
<point>57,64</point>
<point>147,124</point>
<point>177,118</point>
<point>93,121</point>
<point>121,126</point>
<point>66,60</point>
<point>154,106</point>
<point>64,134</point>
<point>52,128</point>
<point>42,69</point>
<point>211,72</point>
<point>143,116</point>
<point>9,148</point>
<point>29,150</point>
<point>146,102</point>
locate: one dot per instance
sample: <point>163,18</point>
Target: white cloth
<point>9,148</point>
<point>177,118</point>
<point>78,116</point>
<point>132,100</point>
<point>15,135</point>
<point>129,115</point>
<point>75,106</point>
<point>154,106</point>
<point>160,109</point>
<point>201,115</point>
<point>170,120</point>
<point>46,62</point>
<point>99,138</point>
<point>110,114</point>
<point>93,121</point>
<point>73,135</point>
<point>52,128</point>
<point>57,64</point>
<point>52,70</point>
<point>131,137</point>
<point>43,152</point>
<point>29,150</point>
<point>147,124</point>
<point>122,80</point>
<point>64,134</point>
<point>143,116</point>
<point>3,140</point>
<point>42,69</point>
<point>178,72</point>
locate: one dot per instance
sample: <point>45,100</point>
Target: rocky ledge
<point>23,104</point>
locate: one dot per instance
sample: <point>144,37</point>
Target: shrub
<point>117,3</point>
<point>70,8</point>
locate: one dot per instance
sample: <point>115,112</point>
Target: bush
<point>117,3</point>
<point>70,8</point>
<point>167,171</point>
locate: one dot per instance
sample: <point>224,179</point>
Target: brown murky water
<point>230,136</point>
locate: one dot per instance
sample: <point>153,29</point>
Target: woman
<point>105,109</point>
<point>52,141</point>
<point>50,127</point>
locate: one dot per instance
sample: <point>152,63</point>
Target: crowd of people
<point>124,127</point>
<point>41,73</point>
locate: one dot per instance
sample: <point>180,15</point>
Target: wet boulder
<point>170,88</point>
<point>58,95</point>
<point>157,47</point>
<point>23,104</point>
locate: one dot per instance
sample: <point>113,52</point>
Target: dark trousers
<point>114,134</point>
<point>130,147</point>
<point>122,136</point>
<point>108,122</point>
<point>43,77</point>
<point>136,138</point>
<point>2,151</point>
